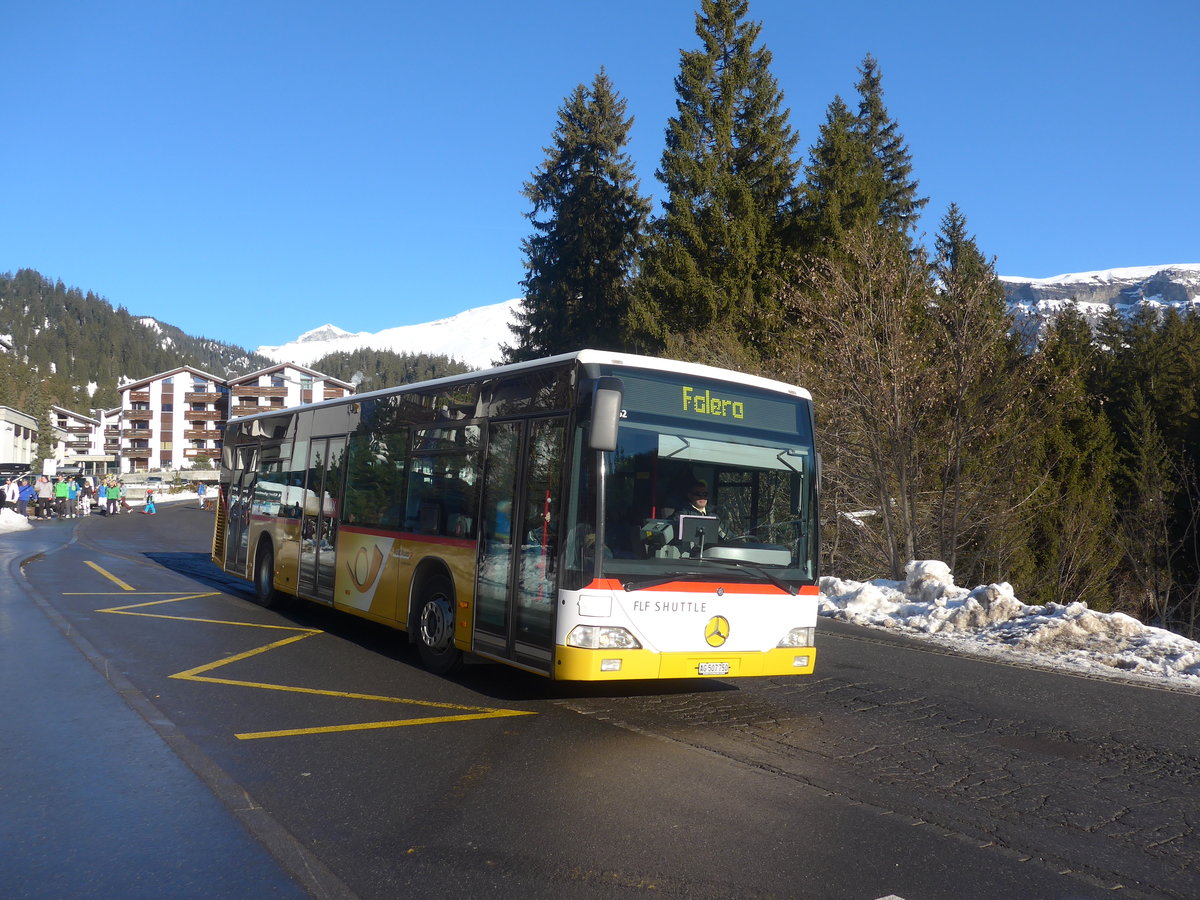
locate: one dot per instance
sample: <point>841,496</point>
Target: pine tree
<point>860,170</point>
<point>839,192</point>
<point>1146,523</point>
<point>901,207</point>
<point>588,217</point>
<point>987,400</point>
<point>730,171</point>
<point>1069,468</point>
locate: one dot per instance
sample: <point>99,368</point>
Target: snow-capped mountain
<point>475,336</point>
<point>1037,301</point>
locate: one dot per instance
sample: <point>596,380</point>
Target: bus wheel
<point>264,579</point>
<point>435,627</point>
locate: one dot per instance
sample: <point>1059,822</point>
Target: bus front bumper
<point>575,664</point>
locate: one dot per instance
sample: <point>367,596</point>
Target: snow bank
<point>991,620</point>
<point>11,520</point>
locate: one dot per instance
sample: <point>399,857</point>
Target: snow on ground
<point>991,621</point>
<point>987,621</point>
<point>11,520</point>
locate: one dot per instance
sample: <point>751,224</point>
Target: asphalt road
<point>323,760</point>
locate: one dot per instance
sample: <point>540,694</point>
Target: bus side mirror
<point>606,413</point>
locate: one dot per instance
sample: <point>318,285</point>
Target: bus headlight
<point>602,637</point>
<point>798,637</point>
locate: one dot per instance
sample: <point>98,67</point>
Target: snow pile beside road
<point>991,620</point>
<point>11,520</point>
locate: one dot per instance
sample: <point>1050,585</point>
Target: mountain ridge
<point>475,336</point>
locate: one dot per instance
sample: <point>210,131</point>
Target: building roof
<point>134,385</point>
<point>295,366</point>
<point>80,416</point>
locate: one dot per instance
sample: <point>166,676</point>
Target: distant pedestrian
<point>25,496</point>
<point>12,493</point>
<point>45,496</point>
<point>62,492</point>
<point>112,496</point>
<point>202,493</point>
<point>149,509</point>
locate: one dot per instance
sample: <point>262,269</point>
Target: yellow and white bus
<point>537,514</point>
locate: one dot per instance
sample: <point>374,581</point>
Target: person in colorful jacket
<point>45,496</point>
<point>25,496</point>
<point>62,492</point>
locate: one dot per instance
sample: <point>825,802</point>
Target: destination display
<point>703,403</point>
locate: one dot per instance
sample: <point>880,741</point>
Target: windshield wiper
<point>661,579</point>
<point>691,576</point>
<point>755,570</point>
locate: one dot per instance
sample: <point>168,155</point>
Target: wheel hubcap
<point>437,623</point>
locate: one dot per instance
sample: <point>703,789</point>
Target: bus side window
<point>442,485</point>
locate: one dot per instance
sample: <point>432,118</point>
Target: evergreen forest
<point>1064,462</point>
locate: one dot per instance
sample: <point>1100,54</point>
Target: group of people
<point>63,497</point>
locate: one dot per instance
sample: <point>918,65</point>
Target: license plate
<point>714,668</point>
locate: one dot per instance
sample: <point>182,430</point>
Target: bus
<point>536,514</point>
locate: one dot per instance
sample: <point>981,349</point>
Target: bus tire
<point>264,578</point>
<point>435,627</point>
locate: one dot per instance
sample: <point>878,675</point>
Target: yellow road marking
<point>113,578</point>
<point>465,713</point>
<point>434,720</point>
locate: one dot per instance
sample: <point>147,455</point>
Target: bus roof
<point>583,357</point>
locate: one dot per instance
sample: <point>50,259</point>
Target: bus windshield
<point>689,501</point>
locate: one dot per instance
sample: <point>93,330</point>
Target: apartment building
<point>281,386</point>
<point>79,441</point>
<point>173,419</point>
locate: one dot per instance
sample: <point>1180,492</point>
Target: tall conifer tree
<point>730,171</point>
<point>901,207</point>
<point>987,401</point>
<point>587,217</point>
<point>860,170</point>
<point>839,193</point>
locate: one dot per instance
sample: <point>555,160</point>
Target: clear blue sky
<point>250,170</point>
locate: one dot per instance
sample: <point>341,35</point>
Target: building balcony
<point>202,415</point>
<point>137,415</point>
<point>139,396</point>
<point>333,393</point>
<point>202,434</point>
<point>136,454</point>
<point>144,433</point>
<point>247,409</point>
<point>250,390</point>
<point>202,397</point>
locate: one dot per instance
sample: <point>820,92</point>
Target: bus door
<point>517,571</point>
<point>237,507</point>
<point>318,529</point>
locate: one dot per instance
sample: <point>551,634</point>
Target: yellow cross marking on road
<point>199,673</point>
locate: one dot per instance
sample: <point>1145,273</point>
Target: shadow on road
<point>489,679</point>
